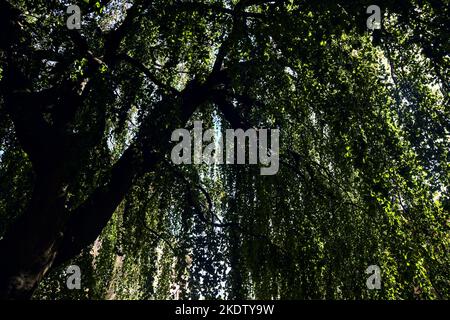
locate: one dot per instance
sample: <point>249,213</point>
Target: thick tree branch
<point>148,73</point>
<point>87,221</point>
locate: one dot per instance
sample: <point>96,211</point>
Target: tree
<point>86,121</point>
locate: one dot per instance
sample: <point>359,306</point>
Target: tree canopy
<point>86,178</point>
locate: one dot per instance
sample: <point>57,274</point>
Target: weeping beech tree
<point>86,178</point>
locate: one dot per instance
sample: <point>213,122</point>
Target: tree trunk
<point>29,247</point>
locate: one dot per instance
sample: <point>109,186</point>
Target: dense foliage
<point>364,119</point>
